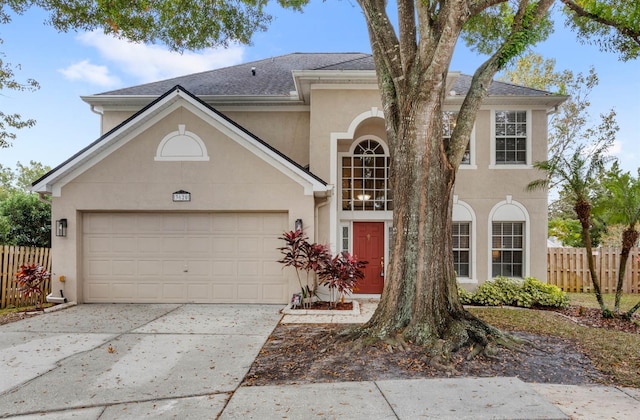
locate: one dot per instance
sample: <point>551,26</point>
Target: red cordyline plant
<point>303,256</point>
<point>30,279</point>
<point>342,274</point>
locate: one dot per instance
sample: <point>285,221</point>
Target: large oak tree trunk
<point>420,302</point>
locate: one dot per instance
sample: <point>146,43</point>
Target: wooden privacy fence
<point>568,269</point>
<point>11,259</point>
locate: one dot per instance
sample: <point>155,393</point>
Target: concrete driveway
<point>130,361</point>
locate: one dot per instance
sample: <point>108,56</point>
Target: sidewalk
<point>458,398</point>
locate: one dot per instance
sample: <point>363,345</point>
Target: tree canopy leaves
<point>612,25</point>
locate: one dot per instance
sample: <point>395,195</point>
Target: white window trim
<point>364,215</point>
<point>473,279</point>
<point>510,211</point>
<point>493,165</point>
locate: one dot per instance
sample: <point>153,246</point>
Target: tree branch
<point>632,33</point>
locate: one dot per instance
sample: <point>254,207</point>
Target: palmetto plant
<point>578,171</point>
<point>620,204</point>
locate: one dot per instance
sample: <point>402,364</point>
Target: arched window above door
<point>365,176</point>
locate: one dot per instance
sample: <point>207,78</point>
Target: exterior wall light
<point>61,227</point>
<point>298,224</point>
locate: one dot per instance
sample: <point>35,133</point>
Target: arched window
<point>365,175</point>
<point>509,238</point>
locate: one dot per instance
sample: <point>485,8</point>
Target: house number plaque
<point>182,195</point>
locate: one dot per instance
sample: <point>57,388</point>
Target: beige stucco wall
<point>130,179</point>
<point>111,119</point>
<point>484,187</point>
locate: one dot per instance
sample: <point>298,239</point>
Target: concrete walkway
<point>187,362</point>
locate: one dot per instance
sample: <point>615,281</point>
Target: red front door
<point>368,245</point>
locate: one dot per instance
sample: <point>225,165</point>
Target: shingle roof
<point>273,77</point>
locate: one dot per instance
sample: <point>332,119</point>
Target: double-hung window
<point>507,253</point>
<point>511,137</point>
<point>462,248</point>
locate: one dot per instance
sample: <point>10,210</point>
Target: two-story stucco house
<point>184,195</point>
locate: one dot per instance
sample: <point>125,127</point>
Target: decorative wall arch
<point>374,112</point>
<point>181,145</point>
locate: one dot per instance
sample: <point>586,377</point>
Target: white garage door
<point>183,257</point>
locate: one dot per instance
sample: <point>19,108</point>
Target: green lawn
<point>588,300</point>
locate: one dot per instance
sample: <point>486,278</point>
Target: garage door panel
<point>224,244</point>
<point>224,222</point>
<point>124,267</point>
<point>198,292</point>
<point>249,268</point>
<point>249,246</point>
<point>149,268</point>
<point>273,291</point>
<point>123,290</point>
<point>199,245</point>
<point>185,257</point>
<point>176,223</point>
<point>150,244</point>
<point>175,292</point>
<point>149,223</point>
<point>225,268</point>
<point>97,268</point>
<point>123,223</point>
<point>198,268</point>
<point>224,291</point>
<point>249,292</point>
<point>173,268</point>
<point>198,223</point>
<point>123,244</point>
<point>271,269</point>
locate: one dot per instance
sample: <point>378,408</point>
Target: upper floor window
<point>448,124</point>
<point>511,137</point>
<point>365,176</point>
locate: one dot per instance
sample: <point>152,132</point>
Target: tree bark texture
<point>420,300</point>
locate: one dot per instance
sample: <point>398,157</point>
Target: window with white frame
<point>365,178</point>
<point>461,232</point>
<point>507,253</point>
<point>511,137</point>
<point>346,238</point>
<point>448,124</point>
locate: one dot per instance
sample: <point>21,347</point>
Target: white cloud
<point>148,63</point>
<point>85,71</point>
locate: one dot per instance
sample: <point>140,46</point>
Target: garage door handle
<point>186,270</point>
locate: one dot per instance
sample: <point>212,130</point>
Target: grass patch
<point>613,353</point>
<point>588,300</point>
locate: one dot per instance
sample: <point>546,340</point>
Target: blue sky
<point>74,64</point>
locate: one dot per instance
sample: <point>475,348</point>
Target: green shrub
<point>466,297</point>
<point>503,291</point>
<point>544,294</point>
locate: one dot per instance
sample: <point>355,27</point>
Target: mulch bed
<point>591,317</point>
<point>303,353</point>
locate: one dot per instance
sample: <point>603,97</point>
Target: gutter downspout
<point>316,210</point>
